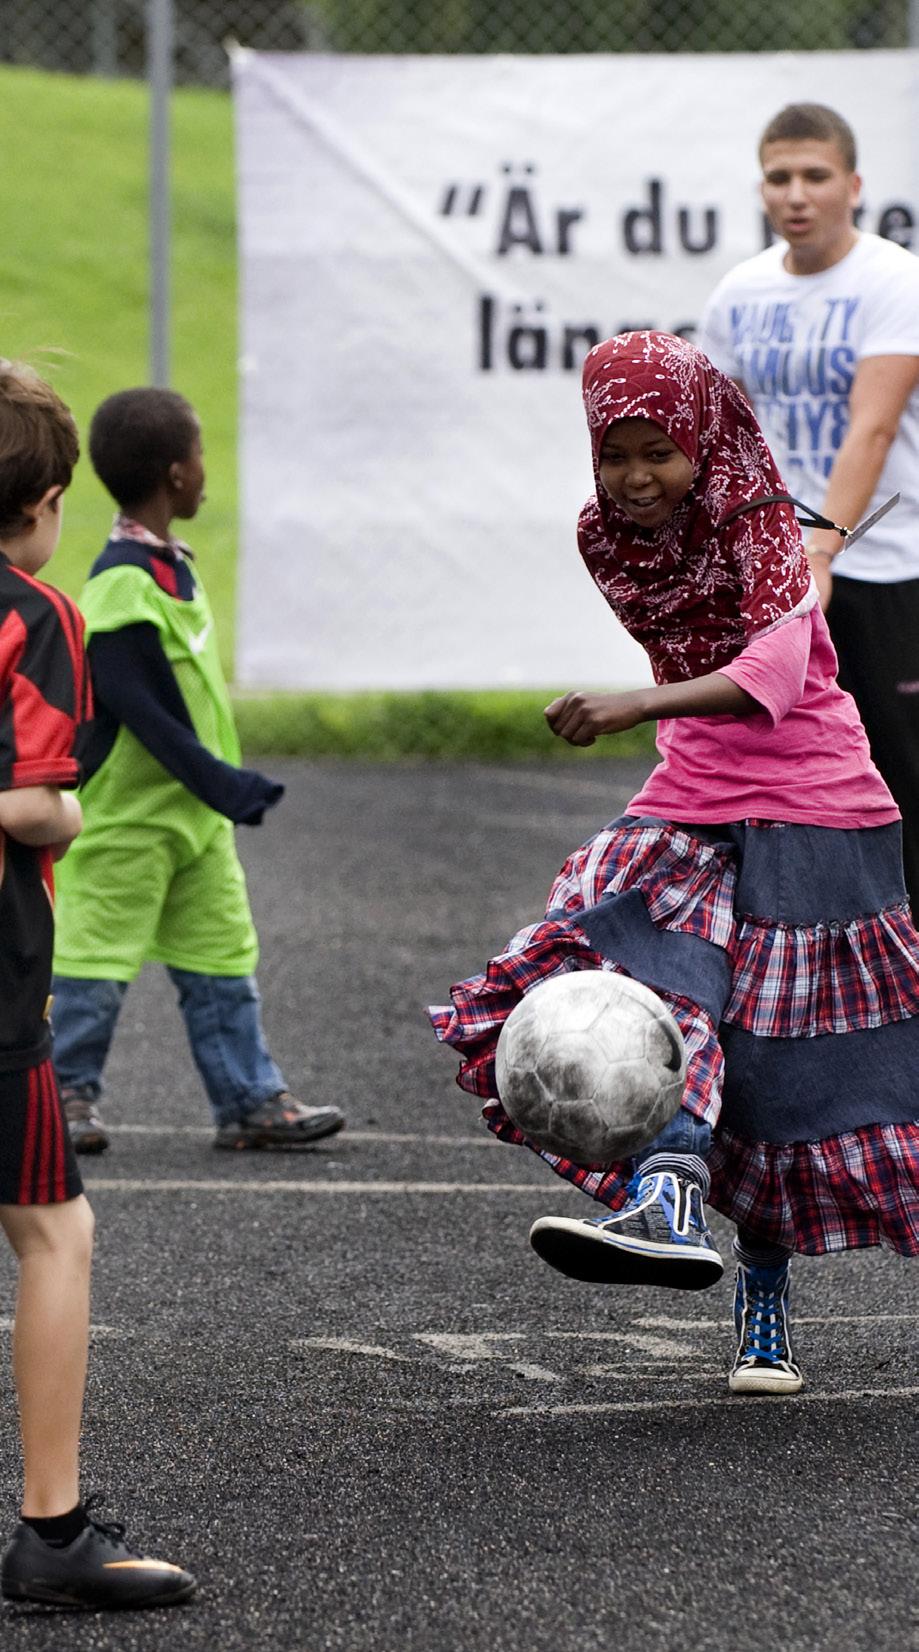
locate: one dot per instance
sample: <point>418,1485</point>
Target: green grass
<point>498,725</point>
<point>73,300</point>
<point>73,281</point>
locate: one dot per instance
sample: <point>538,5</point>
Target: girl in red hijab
<point>755,881</point>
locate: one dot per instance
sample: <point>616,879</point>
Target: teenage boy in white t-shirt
<point>822,332</point>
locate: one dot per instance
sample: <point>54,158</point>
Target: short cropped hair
<point>799,121</point>
<point>39,445</point>
<point>135,436</point>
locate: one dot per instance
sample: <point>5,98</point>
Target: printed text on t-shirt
<point>798,367</point>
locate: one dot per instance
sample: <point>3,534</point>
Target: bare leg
<point>50,1343</point>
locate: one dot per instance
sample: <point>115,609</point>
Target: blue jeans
<point>684,1134</point>
<point>224,1025</point>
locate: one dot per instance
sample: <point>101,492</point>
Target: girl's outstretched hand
<point>579,717</point>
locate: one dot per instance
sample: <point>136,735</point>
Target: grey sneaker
<point>659,1238</point>
<point>764,1363</point>
<point>281,1122</point>
<point>87,1132</point>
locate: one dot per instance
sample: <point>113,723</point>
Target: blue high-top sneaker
<point>764,1363</point>
<point>660,1236</point>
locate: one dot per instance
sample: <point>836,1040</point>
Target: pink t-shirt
<point>804,758</point>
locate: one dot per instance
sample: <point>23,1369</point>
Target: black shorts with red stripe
<point>37,1161</point>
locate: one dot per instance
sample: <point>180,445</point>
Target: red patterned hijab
<point>694,591</point>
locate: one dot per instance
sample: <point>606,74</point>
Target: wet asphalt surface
<point>342,1389</point>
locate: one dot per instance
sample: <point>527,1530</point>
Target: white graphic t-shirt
<point>794,342</point>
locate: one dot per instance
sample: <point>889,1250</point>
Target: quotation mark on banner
<point>462,200</point>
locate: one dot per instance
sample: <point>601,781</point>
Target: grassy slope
<point>73,300</point>
<point>73,280</point>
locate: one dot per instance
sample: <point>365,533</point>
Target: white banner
<point>428,247</point>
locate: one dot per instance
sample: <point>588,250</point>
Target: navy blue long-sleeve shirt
<point>134,685</point>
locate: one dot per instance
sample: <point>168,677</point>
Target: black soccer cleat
<point>98,1570</point>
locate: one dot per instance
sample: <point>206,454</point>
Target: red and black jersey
<point>44,701</point>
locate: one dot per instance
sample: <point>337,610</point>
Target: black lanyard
<point>810,519</point>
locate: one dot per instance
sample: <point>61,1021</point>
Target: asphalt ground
<point>344,1391</point>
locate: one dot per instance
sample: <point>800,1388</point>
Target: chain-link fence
<point>107,37</point>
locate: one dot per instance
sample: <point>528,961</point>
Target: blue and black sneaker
<point>660,1237</point>
<point>764,1363</point>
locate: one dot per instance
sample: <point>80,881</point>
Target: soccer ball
<point>591,1065</point>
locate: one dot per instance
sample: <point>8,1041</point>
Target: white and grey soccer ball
<point>591,1065</point>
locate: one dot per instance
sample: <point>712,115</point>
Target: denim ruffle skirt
<point>789,958</point>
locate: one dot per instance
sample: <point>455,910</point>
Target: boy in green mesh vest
<point>156,875</point>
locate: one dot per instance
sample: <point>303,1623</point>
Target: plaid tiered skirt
<point>789,958</point>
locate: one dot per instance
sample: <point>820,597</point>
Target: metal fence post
<point>160,34</point>
<point>104,39</point>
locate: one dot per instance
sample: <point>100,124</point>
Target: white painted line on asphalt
<point>603,1407</point>
<point>660,1322</point>
<point>641,1373</point>
<point>468,1352</point>
<point>176,1184</point>
<point>159,1129</point>
<point>658,1347</point>
<point>6,1324</point>
<point>408,1138</point>
<point>343,1345</point>
<point>474,1345</point>
<point>642,1356</point>
<point>470,1349</point>
<point>849,1319</point>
